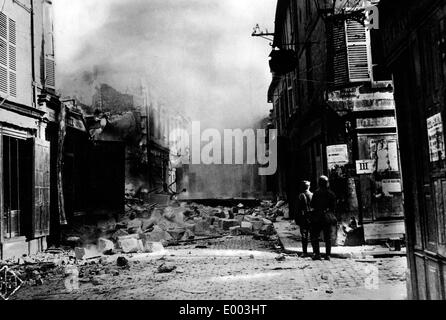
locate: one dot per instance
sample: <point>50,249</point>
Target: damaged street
<point>222,150</point>
<point>195,252</point>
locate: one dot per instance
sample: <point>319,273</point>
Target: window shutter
<point>339,52</point>
<point>13,84</point>
<point>3,80</point>
<point>3,53</point>
<point>50,76</point>
<point>3,25</point>
<point>41,188</point>
<point>357,51</point>
<point>12,32</point>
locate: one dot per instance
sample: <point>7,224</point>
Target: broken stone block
<point>157,235</point>
<point>190,226</point>
<point>176,233</point>
<point>246,224</point>
<point>129,245</point>
<point>210,220</point>
<point>105,245</point>
<point>225,224</point>
<point>235,231</point>
<point>188,235</point>
<point>147,224</point>
<point>141,247</point>
<point>240,217</point>
<point>219,213</point>
<point>267,229</point>
<point>152,247</point>
<point>106,225</point>
<point>267,222</point>
<point>174,214</point>
<point>134,226</point>
<point>80,253</point>
<point>201,227</point>
<point>166,268</point>
<point>257,225</point>
<point>130,236</point>
<point>119,233</point>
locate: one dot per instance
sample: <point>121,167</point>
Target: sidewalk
<point>289,237</point>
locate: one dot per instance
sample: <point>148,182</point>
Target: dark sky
<point>194,54</point>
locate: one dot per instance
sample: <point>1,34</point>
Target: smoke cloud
<point>195,55</point>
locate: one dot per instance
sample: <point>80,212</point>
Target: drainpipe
<point>33,66</point>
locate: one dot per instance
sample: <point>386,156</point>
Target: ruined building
<point>143,125</point>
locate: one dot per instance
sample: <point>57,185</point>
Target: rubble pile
<point>36,269</point>
<point>146,227</point>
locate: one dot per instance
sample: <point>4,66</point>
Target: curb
<point>349,255</point>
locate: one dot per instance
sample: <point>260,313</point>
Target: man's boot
<point>316,250</point>
<point>304,248</point>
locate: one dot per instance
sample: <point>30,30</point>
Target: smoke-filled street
<point>222,150</point>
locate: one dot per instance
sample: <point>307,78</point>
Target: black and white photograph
<point>200,151</point>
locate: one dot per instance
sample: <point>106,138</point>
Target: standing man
<point>323,218</point>
<point>302,216</point>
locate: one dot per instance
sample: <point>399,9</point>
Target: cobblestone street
<point>232,268</point>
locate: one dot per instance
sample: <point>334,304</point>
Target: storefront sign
<point>337,155</point>
<point>365,166</point>
<point>436,138</point>
<point>391,186</point>
<point>382,122</point>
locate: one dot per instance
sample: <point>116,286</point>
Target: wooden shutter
<point>357,51</point>
<point>3,80</point>
<point>50,76</point>
<point>41,188</point>
<point>3,25</point>
<point>339,53</point>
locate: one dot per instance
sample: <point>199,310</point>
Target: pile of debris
<point>149,227</point>
<point>36,269</point>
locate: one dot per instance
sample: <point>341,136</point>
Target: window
<point>15,175</point>
<point>350,52</point>
<point>50,75</point>
<point>8,56</point>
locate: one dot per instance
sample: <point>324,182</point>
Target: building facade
<point>415,52</point>
<point>334,109</point>
<point>27,91</point>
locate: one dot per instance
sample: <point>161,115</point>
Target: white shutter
<point>3,80</point>
<point>3,25</point>
<point>12,84</point>
<point>12,32</point>
<point>12,80</point>
<point>3,53</point>
<point>50,76</point>
<point>358,47</point>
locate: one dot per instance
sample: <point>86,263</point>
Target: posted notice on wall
<point>391,186</point>
<point>436,138</point>
<point>337,155</point>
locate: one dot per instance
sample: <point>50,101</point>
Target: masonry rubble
<point>148,227</point>
<point>143,228</point>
